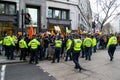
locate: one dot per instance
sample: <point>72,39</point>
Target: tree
<point>107,10</point>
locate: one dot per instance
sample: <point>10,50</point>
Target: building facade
<point>51,15</point>
<point>9,8</point>
<point>67,14</point>
<point>85,15</point>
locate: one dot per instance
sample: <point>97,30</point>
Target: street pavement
<point>3,60</point>
<point>99,68</point>
<point>25,71</point>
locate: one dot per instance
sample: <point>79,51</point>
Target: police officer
<point>23,46</point>
<point>112,46</point>
<point>58,45</point>
<point>94,43</point>
<point>69,49</point>
<point>87,43</point>
<point>77,43</point>
<point>1,46</point>
<point>34,44</point>
<point>9,43</point>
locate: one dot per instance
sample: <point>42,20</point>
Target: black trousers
<point>111,51</point>
<point>56,55</point>
<point>75,56</point>
<point>23,54</point>
<point>34,56</point>
<point>68,54</point>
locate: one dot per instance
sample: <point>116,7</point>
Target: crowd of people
<point>68,46</point>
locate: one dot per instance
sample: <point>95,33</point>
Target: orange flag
<point>31,32</point>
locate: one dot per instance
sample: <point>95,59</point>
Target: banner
<point>31,32</point>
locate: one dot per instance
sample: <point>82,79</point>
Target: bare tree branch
<point>109,8</point>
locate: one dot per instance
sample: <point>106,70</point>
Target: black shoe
<point>36,63</point>
<point>83,69</point>
<point>82,56</point>
<point>52,62</point>
<point>89,59</point>
<point>80,69</point>
<point>66,60</point>
<point>76,67</point>
<point>111,59</point>
<point>30,62</point>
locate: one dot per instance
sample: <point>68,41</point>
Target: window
<point>49,13</point>
<point>11,9</point>
<point>57,14</point>
<point>64,15</point>
<point>2,8</point>
<point>33,14</point>
<point>7,8</point>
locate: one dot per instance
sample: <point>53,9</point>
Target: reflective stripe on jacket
<point>77,44</point>
<point>22,44</point>
<point>58,43</point>
<point>112,41</point>
<point>87,42</point>
<point>34,44</point>
<point>8,41</point>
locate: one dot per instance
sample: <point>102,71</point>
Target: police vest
<point>112,41</point>
<point>58,43</point>
<point>94,42</point>
<point>77,44</point>
<point>0,41</point>
<point>8,41</point>
<point>34,44</point>
<point>22,44</point>
<point>69,43</point>
<point>87,42</point>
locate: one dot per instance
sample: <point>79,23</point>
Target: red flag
<point>31,32</point>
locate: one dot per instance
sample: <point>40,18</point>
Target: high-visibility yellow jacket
<point>1,41</point>
<point>8,41</point>
<point>58,43</point>
<point>87,42</point>
<point>22,44</point>
<point>34,43</point>
<point>94,42</point>
<point>77,44</point>
<point>112,41</point>
<point>68,44</point>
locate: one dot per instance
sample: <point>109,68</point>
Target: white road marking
<point>3,72</point>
